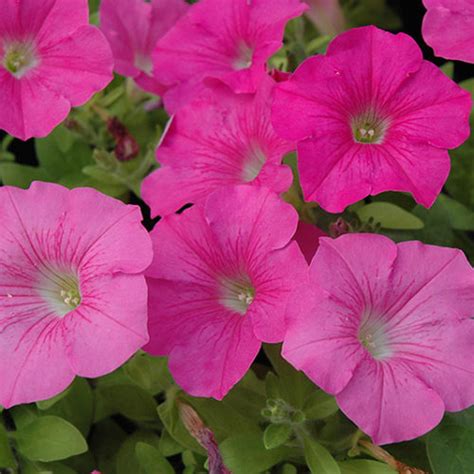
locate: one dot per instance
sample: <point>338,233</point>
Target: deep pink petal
<point>77,66</point>
<point>307,237</point>
<point>230,41</point>
<point>218,140</point>
<point>336,172</point>
<point>420,113</point>
<point>209,349</point>
<point>389,403</point>
<point>133,28</point>
<point>252,225</point>
<point>447,28</point>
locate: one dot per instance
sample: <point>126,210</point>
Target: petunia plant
<point>236,237</point>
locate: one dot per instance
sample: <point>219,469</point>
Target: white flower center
<point>237,294</point>
<point>60,290</point>
<point>369,128</point>
<point>373,336</point>
<point>19,58</point>
<point>253,163</point>
<point>243,58</point>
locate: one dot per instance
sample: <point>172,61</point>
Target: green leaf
<point>318,458</point>
<point>50,438</point>
<point>151,461</point>
<point>6,454</point>
<point>76,405</point>
<point>151,373</point>
<point>319,405</point>
<point>389,216</point>
<point>106,440</point>
<point>460,217</point>
<point>276,435</point>
<point>45,404</point>
<point>15,174</point>
<point>131,401</point>
<point>292,385</point>
<point>363,466</point>
<point>451,445</point>
<point>127,461</point>
<point>246,454</point>
<point>460,183</point>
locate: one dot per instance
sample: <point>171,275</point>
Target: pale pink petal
<point>320,336</point>
<point>24,114</point>
<point>33,361</point>
<point>389,402</point>
<point>109,326</point>
<point>272,276</point>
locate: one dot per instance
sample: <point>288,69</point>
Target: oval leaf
<point>50,438</point>
<point>389,216</point>
<point>276,435</point>
<point>318,458</point>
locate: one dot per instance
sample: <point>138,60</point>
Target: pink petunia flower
<point>73,298</point>
<point>219,283</point>
<point>307,237</point>
<point>371,116</point>
<point>448,28</point>
<point>133,27</point>
<point>220,139</point>
<point>388,330</point>
<point>51,59</point>
<point>221,39</point>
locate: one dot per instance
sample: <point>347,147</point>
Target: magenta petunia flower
<point>133,27</point>
<point>448,28</point>
<point>371,116</point>
<point>50,59</point>
<point>307,237</point>
<point>388,330</point>
<point>220,139</point>
<point>221,39</point>
<point>73,298</point>
<point>219,283</point>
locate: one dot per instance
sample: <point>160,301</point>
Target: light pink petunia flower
<point>73,298</point>
<point>220,139</point>
<point>221,39</point>
<point>219,283</point>
<point>50,60</point>
<point>388,330</point>
<point>133,27</point>
<point>371,116</point>
<point>448,28</point>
